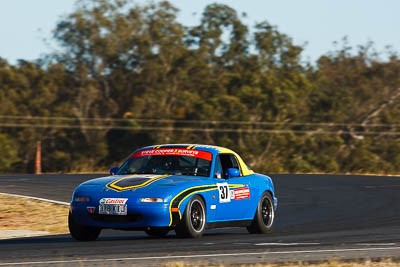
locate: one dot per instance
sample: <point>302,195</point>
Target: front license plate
<point>113,209</point>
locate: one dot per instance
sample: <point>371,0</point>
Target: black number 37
<point>224,191</point>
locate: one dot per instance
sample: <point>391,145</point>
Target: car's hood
<point>140,185</point>
<point>141,180</point>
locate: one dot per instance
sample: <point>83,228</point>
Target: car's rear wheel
<point>157,231</point>
<point>193,223</point>
<point>264,217</point>
<point>82,233</point>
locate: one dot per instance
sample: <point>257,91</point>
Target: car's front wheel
<point>264,217</point>
<point>82,233</point>
<point>193,223</point>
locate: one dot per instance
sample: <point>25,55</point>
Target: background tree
<point>131,75</point>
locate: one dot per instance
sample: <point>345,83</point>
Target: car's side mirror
<point>233,172</point>
<point>114,170</point>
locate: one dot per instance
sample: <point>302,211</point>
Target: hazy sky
<point>25,24</point>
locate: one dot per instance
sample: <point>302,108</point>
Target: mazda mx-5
<point>186,188</point>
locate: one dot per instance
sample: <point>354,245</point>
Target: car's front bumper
<point>138,216</point>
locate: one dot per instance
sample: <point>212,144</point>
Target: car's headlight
<point>82,199</point>
<point>152,200</point>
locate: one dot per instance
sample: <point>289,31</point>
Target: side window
<point>218,173</point>
<point>228,161</point>
<point>235,162</point>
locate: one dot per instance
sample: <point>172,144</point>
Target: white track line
<point>37,198</point>
<point>199,256</point>
<point>376,244</point>
<point>286,244</point>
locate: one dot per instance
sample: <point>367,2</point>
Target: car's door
<point>234,192</point>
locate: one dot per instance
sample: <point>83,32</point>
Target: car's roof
<point>213,149</point>
<point>208,148</point>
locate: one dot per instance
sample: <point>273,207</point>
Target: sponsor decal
<point>113,200</point>
<point>242,193</point>
<point>90,209</point>
<point>173,151</point>
<point>213,207</point>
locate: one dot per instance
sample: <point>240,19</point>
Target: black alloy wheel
<point>197,215</point>
<point>193,223</point>
<point>264,217</point>
<point>267,210</point>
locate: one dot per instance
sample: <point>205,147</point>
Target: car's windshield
<point>168,161</point>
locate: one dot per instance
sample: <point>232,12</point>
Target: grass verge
<point>26,214</point>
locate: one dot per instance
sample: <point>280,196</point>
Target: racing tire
<point>157,231</point>
<point>82,233</point>
<point>264,217</point>
<point>193,223</point>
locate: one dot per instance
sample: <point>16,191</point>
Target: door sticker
<point>224,192</point>
<point>242,193</point>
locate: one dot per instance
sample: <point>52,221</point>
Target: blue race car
<point>186,188</point>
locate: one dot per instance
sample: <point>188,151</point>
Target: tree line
<point>131,75</point>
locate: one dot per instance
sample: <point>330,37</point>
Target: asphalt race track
<point>319,217</point>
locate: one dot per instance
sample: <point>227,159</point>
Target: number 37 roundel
<point>224,192</point>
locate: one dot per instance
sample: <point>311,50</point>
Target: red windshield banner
<point>173,151</point>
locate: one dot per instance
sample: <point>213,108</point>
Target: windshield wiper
<point>186,173</point>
